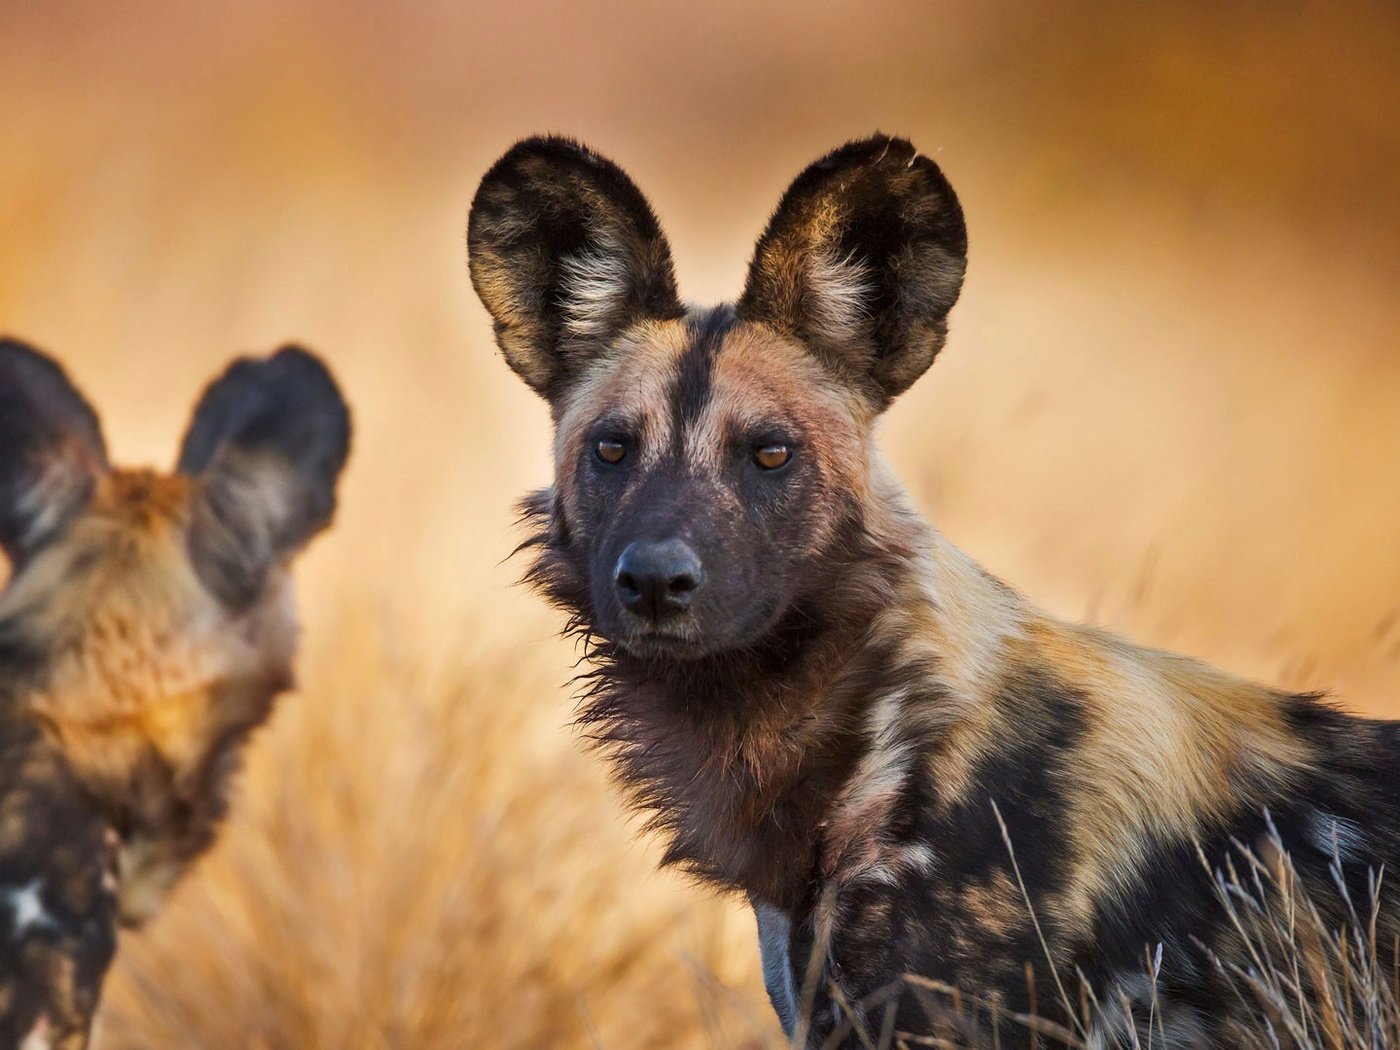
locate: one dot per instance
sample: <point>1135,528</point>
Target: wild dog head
<point>708,463</point>
<point>147,623</point>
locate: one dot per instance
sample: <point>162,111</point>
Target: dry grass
<point>1316,983</point>
<point>1316,972</point>
<point>1171,403</point>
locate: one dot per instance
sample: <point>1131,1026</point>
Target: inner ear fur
<point>51,450</point>
<point>862,261</point>
<point>565,253</point>
<point>268,442</point>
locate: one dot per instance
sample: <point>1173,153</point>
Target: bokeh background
<point>1170,403</point>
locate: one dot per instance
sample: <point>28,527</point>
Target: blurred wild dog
<point>145,631</point>
<point>819,701</point>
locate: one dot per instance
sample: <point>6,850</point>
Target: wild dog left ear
<point>565,253</point>
<point>862,261</point>
<point>268,441</point>
<point>51,450</point>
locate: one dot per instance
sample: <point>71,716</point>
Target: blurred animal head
<point>710,463</point>
<point>147,623</point>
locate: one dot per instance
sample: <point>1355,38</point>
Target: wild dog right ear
<point>862,261</point>
<point>51,450</point>
<point>268,441</point>
<point>565,253</point>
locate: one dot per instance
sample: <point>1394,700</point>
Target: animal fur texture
<point>822,704</point>
<point>145,631</point>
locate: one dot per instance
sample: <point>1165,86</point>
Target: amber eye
<point>772,456</point>
<point>610,450</point>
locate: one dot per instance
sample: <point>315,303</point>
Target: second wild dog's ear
<point>51,450</point>
<point>862,261</point>
<point>565,253</point>
<point>268,441</point>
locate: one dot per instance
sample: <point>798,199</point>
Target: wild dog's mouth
<point>651,641</point>
<point>692,636</point>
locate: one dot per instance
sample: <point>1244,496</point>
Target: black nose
<point>658,579</point>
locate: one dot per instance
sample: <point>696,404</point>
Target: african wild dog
<point>824,705</point>
<point>145,631</point>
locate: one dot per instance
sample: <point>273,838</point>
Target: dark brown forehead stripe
<point>690,392</point>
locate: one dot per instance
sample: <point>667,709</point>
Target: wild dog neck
<point>741,758</point>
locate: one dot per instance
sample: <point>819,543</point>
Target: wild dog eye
<point>610,450</point>
<point>772,456</point>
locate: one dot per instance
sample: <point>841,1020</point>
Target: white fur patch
<point>43,505</point>
<point>595,283</point>
<point>838,291</point>
<point>27,909</point>
<point>37,1038</point>
<point>1338,836</point>
<point>879,777</point>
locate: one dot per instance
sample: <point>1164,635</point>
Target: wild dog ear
<point>51,450</point>
<point>268,441</point>
<point>862,261</point>
<point>565,253</point>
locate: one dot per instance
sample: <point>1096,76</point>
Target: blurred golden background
<point>1170,403</point>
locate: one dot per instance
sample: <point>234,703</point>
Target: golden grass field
<point>1170,403</point>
